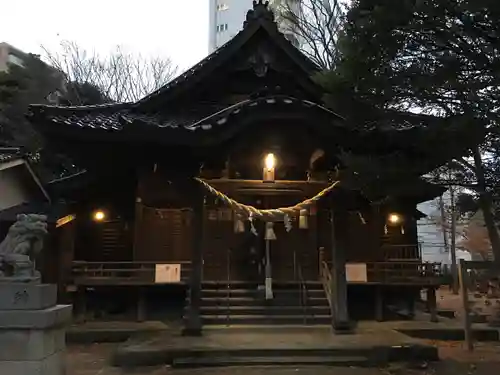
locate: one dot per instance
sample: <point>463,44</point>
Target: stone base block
<point>35,319</point>
<point>26,296</point>
<point>30,345</point>
<point>51,365</point>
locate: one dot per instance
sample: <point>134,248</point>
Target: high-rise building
<point>226,19</point>
<point>10,55</point>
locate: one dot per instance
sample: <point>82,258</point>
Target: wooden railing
<point>303,293</point>
<point>409,272</point>
<point>326,278</point>
<point>402,252</point>
<point>121,273</point>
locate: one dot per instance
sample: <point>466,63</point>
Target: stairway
<point>244,304</point>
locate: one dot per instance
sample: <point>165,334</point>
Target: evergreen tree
<point>437,58</point>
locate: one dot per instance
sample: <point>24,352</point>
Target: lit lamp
<point>99,215</point>
<point>269,165</point>
<point>394,219</point>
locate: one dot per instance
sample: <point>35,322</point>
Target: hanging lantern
<point>239,226</point>
<point>270,235</point>
<point>303,222</point>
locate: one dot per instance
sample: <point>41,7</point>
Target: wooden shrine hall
<point>229,180</point>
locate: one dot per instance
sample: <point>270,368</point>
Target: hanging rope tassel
<point>402,230</point>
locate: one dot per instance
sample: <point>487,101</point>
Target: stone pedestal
<point>32,330</point>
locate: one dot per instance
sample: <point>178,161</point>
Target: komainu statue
<point>23,242</point>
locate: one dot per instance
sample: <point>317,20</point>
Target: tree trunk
<point>486,205</point>
<point>453,247</point>
<point>443,224</point>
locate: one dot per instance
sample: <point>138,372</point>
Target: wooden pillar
<point>431,303</point>
<point>81,304</point>
<point>193,323</point>
<point>66,254</point>
<point>339,243</point>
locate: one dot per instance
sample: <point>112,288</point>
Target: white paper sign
<point>167,273</point>
<point>356,272</point>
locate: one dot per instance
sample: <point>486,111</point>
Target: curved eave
<point>218,126</point>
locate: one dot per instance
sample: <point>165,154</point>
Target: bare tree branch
<point>120,76</point>
<point>316,24</point>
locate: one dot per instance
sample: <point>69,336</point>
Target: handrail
<point>303,291</point>
<point>228,284</point>
<point>326,280</point>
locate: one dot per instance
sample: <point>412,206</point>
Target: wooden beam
<point>280,187</point>
<point>464,293</point>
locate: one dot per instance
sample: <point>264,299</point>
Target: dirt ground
<point>485,360</point>
<point>480,304</point>
<point>455,360</point>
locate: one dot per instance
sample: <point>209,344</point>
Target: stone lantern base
<point>32,329</point>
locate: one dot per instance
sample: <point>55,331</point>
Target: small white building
<point>18,182</point>
<point>431,237</point>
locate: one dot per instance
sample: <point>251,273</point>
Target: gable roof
<point>261,17</point>
<point>12,157</point>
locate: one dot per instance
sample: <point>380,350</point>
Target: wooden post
<point>321,260</point>
<point>193,324</point>
<point>340,318</point>
<point>431,303</point>
<point>464,292</point>
<point>379,303</point>
<point>141,304</point>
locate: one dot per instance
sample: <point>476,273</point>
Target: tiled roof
<point>105,116</point>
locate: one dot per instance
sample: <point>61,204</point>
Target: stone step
<point>250,301</point>
<point>254,286</point>
<point>155,354</point>
<point>194,362</point>
<point>265,310</point>
<point>265,319</point>
<point>259,293</point>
